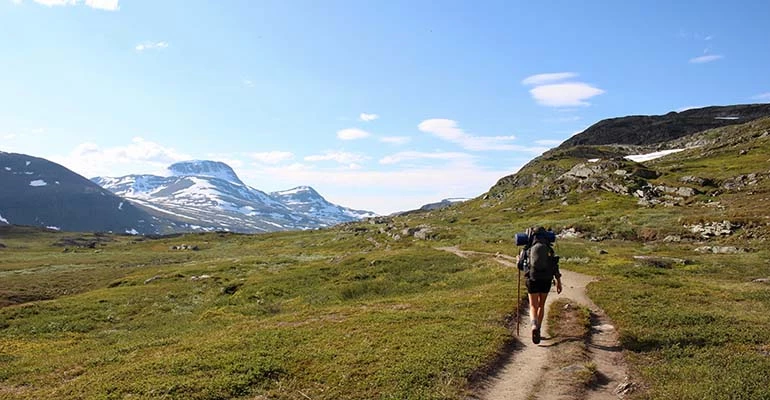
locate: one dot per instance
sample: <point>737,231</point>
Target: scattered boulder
<point>713,229</point>
<point>761,280</point>
<point>696,180</point>
<point>425,233</point>
<point>231,288</point>
<point>602,251</point>
<point>740,182</point>
<point>569,233</point>
<point>2,246</point>
<point>199,277</point>
<point>185,247</point>
<point>154,278</point>
<point>720,250</point>
<point>625,388</point>
<point>672,239</point>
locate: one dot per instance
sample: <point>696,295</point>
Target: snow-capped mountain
<point>208,195</point>
<point>41,193</point>
<point>306,200</point>
<point>203,168</point>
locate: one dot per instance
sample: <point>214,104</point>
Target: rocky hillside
<point>713,184</point>
<point>655,129</point>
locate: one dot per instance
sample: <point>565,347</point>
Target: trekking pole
<point>518,301</point>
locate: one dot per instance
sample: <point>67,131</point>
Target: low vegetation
<point>373,310</point>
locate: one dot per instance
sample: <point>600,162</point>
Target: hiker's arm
<point>557,275</point>
<point>520,260</point>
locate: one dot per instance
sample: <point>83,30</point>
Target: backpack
<point>541,262</point>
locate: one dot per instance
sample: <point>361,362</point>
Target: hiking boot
<point>536,335</point>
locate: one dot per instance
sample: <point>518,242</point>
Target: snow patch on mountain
<point>207,195</point>
<point>211,169</point>
<point>38,182</point>
<point>651,156</point>
<point>4,220</point>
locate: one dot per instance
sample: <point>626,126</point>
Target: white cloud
<point>151,46</point>
<point>352,134</point>
<point>107,5</point>
<point>272,157</point>
<point>8,136</point>
<point>541,79</point>
<point>248,83</point>
<point>51,3</point>
<point>419,155</point>
<point>706,58</point>
<point>548,142</point>
<point>762,97</point>
<point>139,156</point>
<point>368,117</point>
<point>568,94</point>
<point>448,130</point>
<point>399,140</point>
<point>338,156</point>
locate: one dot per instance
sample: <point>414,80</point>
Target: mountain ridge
<point>208,195</point>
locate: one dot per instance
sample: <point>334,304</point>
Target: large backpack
<point>541,262</point>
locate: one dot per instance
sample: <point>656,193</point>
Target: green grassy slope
<point>370,311</point>
<point>326,314</point>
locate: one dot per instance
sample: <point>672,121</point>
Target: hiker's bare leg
<point>534,307</point>
<point>541,309</point>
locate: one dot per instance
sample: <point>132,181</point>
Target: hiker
<point>540,265</point>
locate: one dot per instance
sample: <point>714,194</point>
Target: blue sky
<point>379,105</point>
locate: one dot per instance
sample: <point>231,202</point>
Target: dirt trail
<point>525,373</point>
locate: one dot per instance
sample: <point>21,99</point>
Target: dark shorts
<point>539,286</point>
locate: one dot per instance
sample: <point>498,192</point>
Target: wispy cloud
<point>419,155</point>
<point>764,97</point>
<point>151,46</point>
<point>352,134</point>
<point>247,83</point>
<point>107,5</point>
<point>368,117</point>
<point>449,130</point>
<point>340,157</point>
<point>568,94</point>
<point>541,79</point>
<point>706,58</point>
<point>550,91</point>
<point>8,136</point>
<point>272,157</point>
<point>399,140</point>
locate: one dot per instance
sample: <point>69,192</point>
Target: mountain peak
<point>212,169</point>
<point>297,190</point>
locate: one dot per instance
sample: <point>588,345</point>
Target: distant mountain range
<point>208,195</point>
<point>196,196</point>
